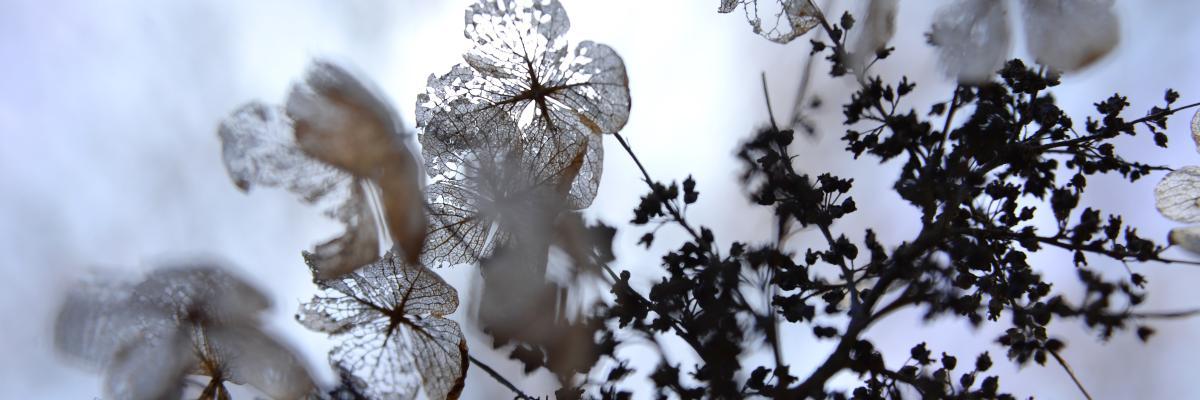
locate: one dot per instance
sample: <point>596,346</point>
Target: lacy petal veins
<point>335,136</point>
<point>395,339</point>
<point>793,18</point>
<point>973,40</point>
<point>1177,197</point>
<point>179,321</point>
<point>522,118</point>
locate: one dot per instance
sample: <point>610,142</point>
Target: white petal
<point>1177,194</point>
<point>972,38</point>
<point>1067,35</point>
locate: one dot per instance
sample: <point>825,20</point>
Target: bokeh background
<point>110,162</point>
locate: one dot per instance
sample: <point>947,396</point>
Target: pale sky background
<point>110,161</point>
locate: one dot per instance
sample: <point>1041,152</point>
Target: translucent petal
<point>358,245</point>
<point>258,148</point>
<point>396,338</point>
<point>792,18</point>
<point>1196,130</point>
<point>372,354</point>
<point>150,368</point>
<point>440,352</point>
<point>94,323</point>
<point>459,232</point>
<point>200,293</point>
<point>972,38</point>
<point>1187,238</point>
<point>250,357</point>
<point>1067,35</point>
<point>1177,195</point>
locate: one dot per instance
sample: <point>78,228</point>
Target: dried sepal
<point>1067,35</point>
<point>972,38</point>
<point>1177,195</point>
<point>395,339</point>
<point>343,121</point>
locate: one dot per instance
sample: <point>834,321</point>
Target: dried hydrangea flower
<point>178,321</point>
<point>522,117</point>
<point>335,136</point>
<point>395,339</point>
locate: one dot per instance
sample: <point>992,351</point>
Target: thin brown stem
<point>1070,372</point>
<point>499,378</point>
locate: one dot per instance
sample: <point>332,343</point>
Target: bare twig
<point>1070,372</point>
<point>500,378</point>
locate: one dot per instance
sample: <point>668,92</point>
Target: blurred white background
<point>109,158</point>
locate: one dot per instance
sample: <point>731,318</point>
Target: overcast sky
<point>110,161</point>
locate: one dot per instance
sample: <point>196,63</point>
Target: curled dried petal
<point>358,245</point>
<point>338,134</point>
<point>341,120</point>
<point>1177,195</point>
<point>1067,35</point>
<point>972,38</point>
